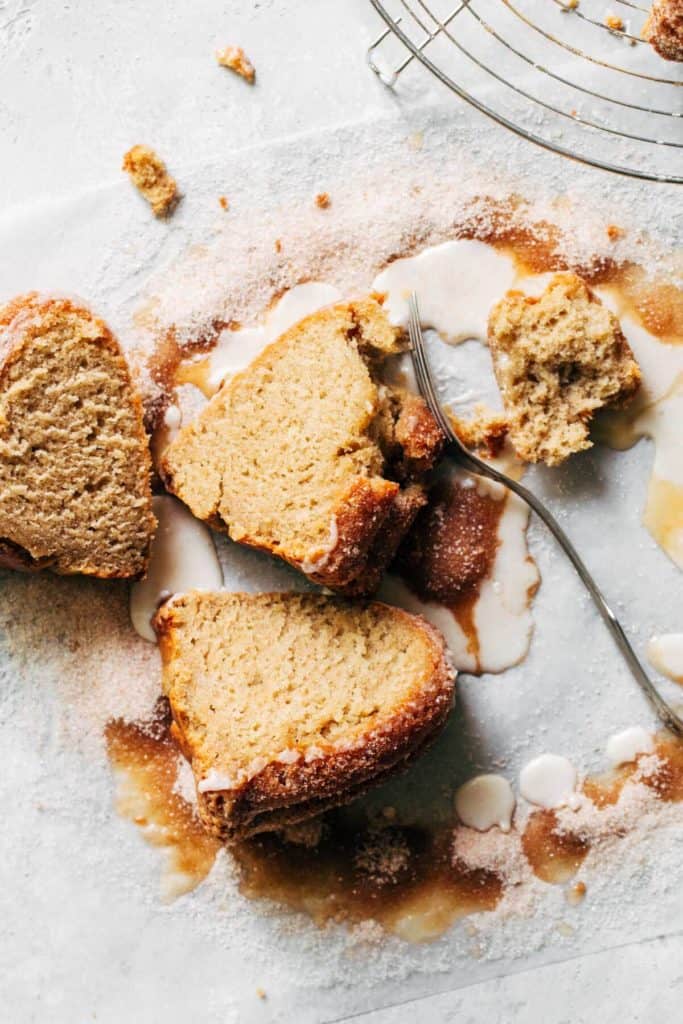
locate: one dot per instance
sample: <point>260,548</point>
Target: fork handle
<point>666,714</point>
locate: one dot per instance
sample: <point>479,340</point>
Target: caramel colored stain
<point>145,760</point>
<point>554,855</point>
<point>663,516</point>
<point>451,551</point>
<point>400,876</point>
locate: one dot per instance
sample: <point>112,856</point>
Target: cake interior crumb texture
<point>149,175</point>
<point>74,459</point>
<point>259,683</point>
<point>664,28</point>
<point>305,453</point>
<point>234,58</point>
<point>558,359</point>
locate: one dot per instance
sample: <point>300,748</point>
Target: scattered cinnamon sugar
<point>149,175</point>
<point>322,200</point>
<point>234,58</point>
<point>223,201</point>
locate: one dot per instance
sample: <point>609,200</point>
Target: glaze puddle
<point>467,569</point>
<point>410,879</point>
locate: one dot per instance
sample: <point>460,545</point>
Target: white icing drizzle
<point>234,350</point>
<point>502,616</point>
<point>625,746</point>
<point>456,283</point>
<point>484,802</point>
<point>182,558</point>
<point>666,654</point>
<point>549,781</point>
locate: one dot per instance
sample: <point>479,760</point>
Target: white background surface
<point>82,81</point>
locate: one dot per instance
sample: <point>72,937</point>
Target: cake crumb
<point>223,201</point>
<point>570,5</point>
<point>575,894</point>
<point>557,358</point>
<point>234,58</point>
<point>614,23</point>
<point>614,232</point>
<point>261,993</point>
<point>149,175</point>
<point>322,200</point>
<point>278,245</point>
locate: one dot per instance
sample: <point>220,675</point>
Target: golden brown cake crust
<point>23,320</point>
<point>284,793</point>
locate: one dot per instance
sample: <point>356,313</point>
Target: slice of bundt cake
<point>286,704</point>
<point>74,459</point>
<point>558,359</point>
<point>307,455</point>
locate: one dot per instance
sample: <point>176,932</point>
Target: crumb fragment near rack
<point>322,200</point>
<point>148,173</point>
<point>235,59</point>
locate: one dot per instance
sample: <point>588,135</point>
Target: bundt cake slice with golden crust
<point>287,704</point>
<point>75,468</point>
<point>307,455</point>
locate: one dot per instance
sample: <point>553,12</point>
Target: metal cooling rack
<point>554,74</point>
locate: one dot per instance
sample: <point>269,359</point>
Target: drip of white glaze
<point>485,801</point>
<point>549,781</point>
<point>502,616</point>
<point>182,558</point>
<point>235,349</point>
<point>457,283</point>
<point>666,654</point>
<point>625,746</point>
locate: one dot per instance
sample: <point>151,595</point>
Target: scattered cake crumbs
<point>614,232</point>
<point>570,5</point>
<point>224,204</point>
<point>149,175</point>
<point>234,58</point>
<point>322,200</point>
<point>614,23</point>
<point>576,894</point>
<point>278,245</point>
<point>261,993</point>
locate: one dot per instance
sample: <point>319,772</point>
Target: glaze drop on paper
<point>457,283</point>
<point>666,654</point>
<point>624,747</point>
<point>484,802</point>
<point>183,557</point>
<point>549,781</point>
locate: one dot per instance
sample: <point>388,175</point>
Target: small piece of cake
<point>558,359</point>
<point>75,466</point>
<point>287,704</point>
<point>150,177</point>
<point>664,28</point>
<point>305,454</point>
<point>234,58</point>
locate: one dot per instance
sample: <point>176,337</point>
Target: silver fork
<point>474,464</point>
